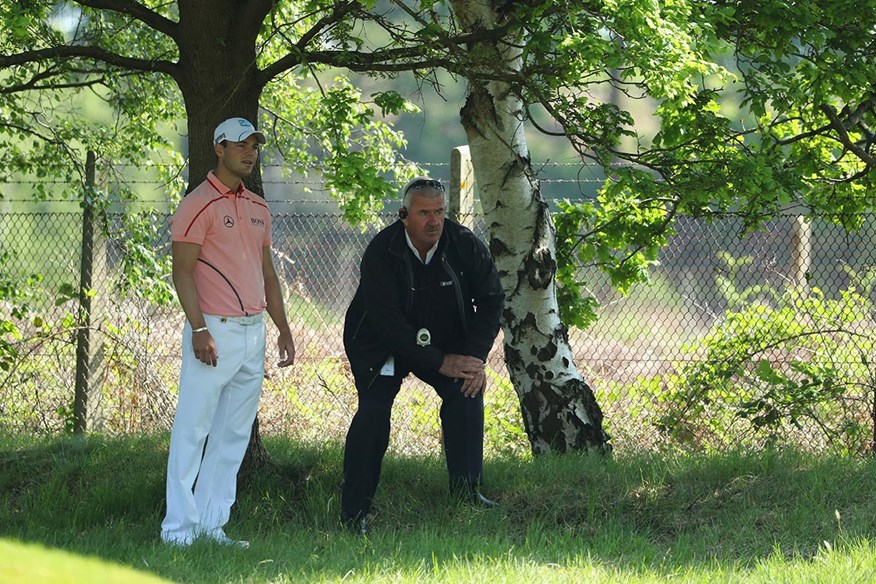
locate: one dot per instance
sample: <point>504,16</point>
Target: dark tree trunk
<point>256,456</point>
<point>217,77</point>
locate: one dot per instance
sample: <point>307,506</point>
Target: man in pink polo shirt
<point>225,279</point>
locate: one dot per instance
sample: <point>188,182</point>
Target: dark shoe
<point>470,495</point>
<point>478,500</point>
<point>356,525</point>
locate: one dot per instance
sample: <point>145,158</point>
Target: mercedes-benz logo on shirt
<point>229,221</point>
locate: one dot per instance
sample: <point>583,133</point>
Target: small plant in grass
<point>327,377</point>
<point>18,295</point>
<point>26,331</point>
<point>795,370</point>
<point>503,427</point>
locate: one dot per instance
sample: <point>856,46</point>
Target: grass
<point>88,510</point>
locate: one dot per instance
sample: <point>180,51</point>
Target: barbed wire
<point>430,164</point>
<point>269,182</point>
<point>325,200</point>
<point>313,185</point>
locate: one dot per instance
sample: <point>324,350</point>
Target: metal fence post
<point>461,192</point>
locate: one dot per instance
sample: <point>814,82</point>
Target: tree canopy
<point>758,104</point>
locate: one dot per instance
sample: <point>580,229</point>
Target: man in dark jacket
<point>429,302</point>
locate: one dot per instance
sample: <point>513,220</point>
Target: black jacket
<point>391,303</point>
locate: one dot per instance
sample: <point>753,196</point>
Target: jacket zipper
<point>359,325</point>
<point>458,290</point>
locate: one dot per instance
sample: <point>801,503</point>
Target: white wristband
<point>199,330</point>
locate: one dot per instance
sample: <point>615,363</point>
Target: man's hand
<point>287,350</point>
<point>475,385</point>
<point>205,348</point>
<point>469,369</point>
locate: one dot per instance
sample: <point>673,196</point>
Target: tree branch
<point>137,11</point>
<point>32,86</point>
<point>417,55</point>
<point>837,124</point>
<point>90,53</point>
<point>295,56</point>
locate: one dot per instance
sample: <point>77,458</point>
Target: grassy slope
<point>642,518</point>
<point>36,564</point>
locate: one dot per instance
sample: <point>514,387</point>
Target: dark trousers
<point>462,426</point>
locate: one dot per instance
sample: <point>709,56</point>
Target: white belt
<point>244,320</point>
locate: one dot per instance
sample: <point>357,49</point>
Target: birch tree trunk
<point>560,412</point>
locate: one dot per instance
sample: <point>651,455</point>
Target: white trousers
<point>220,402</point>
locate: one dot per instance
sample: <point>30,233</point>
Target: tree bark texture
<point>559,409</point>
<point>218,75</point>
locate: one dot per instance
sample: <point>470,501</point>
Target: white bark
<point>559,409</point>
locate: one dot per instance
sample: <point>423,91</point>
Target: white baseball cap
<point>236,130</point>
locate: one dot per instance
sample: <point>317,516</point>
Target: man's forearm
<point>187,292</point>
<point>275,306</point>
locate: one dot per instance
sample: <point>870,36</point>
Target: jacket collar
<point>398,245</point>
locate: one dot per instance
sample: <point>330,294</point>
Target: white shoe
<point>219,537</point>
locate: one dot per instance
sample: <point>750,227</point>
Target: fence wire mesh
<point>738,341</point>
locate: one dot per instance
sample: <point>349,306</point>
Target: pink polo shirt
<point>231,228</point>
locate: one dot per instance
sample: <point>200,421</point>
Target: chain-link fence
<point>750,340</point>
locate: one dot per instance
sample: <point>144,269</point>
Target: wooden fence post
<point>89,356</point>
<point>801,251</point>
<point>461,193</point>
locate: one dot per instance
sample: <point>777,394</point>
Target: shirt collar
<point>429,253</point>
<point>222,188</point>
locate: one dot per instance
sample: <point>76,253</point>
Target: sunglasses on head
<point>425,183</point>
